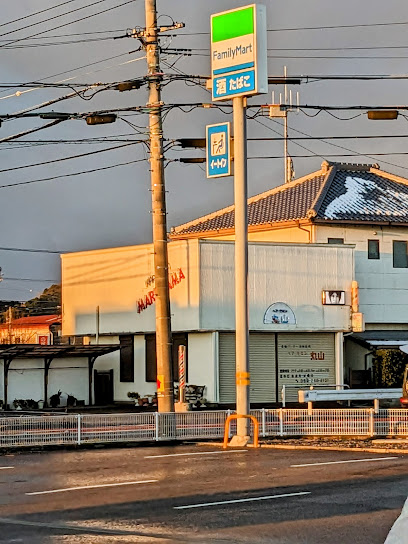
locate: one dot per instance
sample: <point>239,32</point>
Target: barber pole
<point>182,372</point>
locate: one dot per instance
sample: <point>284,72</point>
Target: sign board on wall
<point>333,298</point>
<point>218,150</point>
<point>279,314</point>
<point>239,52</point>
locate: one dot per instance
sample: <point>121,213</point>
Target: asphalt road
<point>200,494</point>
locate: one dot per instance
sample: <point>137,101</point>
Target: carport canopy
<point>381,339</point>
<point>9,352</point>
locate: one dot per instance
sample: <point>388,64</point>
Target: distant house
<point>39,329</point>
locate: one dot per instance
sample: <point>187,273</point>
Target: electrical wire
<point>70,23</point>
<point>61,159</point>
<point>51,18</point>
<point>37,13</point>
<point>69,175</point>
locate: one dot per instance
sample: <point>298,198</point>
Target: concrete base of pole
<point>239,441</point>
<point>180,407</point>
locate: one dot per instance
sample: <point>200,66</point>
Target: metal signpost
<point>218,150</point>
<point>238,70</point>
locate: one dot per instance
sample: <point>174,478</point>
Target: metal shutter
<point>262,367</point>
<point>227,367</point>
<point>305,359</point>
<point>261,364</point>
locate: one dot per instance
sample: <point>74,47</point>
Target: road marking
<point>194,453</point>
<point>341,462</point>
<point>90,487</point>
<point>6,468</point>
<point>267,497</point>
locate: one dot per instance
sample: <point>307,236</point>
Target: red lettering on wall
<point>147,300</point>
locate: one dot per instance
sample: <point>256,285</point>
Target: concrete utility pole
<point>163,327</point>
<point>241,269</point>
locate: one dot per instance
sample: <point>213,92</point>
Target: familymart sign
<point>238,52</point>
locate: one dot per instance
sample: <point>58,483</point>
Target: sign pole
<point>241,268</point>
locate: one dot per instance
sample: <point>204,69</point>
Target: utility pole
<point>9,319</point>
<point>163,325</point>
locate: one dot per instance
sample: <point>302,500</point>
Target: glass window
<point>127,364</point>
<point>373,249</point>
<point>335,240</point>
<point>399,253</point>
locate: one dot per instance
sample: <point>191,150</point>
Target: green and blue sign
<point>218,150</point>
<point>238,52</point>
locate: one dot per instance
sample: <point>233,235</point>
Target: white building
<point>315,234</point>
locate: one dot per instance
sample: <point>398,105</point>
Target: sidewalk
<point>399,531</point>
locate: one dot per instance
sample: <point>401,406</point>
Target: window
<point>335,240</point>
<point>373,249</point>
<point>399,254</point>
<point>127,352</point>
<point>178,339</point>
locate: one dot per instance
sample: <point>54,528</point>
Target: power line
<point>72,156</point>
<point>51,18</point>
<point>37,13</point>
<point>69,23</point>
<point>32,250</point>
<point>69,175</point>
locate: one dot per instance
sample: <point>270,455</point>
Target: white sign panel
<point>239,52</point>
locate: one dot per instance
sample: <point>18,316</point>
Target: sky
<point>111,207</point>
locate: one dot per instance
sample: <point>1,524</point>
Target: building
<point>308,239</point>
<point>39,329</point>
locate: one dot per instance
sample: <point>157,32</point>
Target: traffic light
<point>379,115</point>
<point>101,119</point>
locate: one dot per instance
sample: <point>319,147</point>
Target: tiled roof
<point>337,192</point>
<point>365,196</point>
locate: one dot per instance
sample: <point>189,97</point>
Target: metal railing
<point>43,430</point>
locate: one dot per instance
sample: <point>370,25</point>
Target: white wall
<point>295,274</point>
<point>112,361</point>
<point>115,279</point>
<point>26,379</point>
<point>202,357</point>
<point>383,289</point>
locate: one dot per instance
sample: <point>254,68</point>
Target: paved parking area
<point>188,494</point>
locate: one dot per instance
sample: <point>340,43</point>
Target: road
<point>200,494</point>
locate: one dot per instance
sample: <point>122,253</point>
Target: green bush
<point>388,367</point>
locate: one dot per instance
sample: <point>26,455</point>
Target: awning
<point>34,351</point>
<point>381,339</point>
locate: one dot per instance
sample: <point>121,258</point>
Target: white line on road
<point>267,497</point>
<point>194,453</point>
<point>90,487</point>
<point>341,462</point>
<point>6,468</point>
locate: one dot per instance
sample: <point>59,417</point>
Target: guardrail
<point>77,429</point>
<point>286,387</point>
<point>313,395</point>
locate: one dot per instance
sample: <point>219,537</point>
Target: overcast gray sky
<point>112,207</point>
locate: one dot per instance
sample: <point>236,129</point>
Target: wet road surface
<point>200,494</point>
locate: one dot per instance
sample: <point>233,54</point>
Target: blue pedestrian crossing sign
<point>218,150</point>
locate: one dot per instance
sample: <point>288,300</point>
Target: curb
<point>301,447</point>
<point>334,448</point>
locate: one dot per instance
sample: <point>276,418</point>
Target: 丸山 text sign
<point>238,52</point>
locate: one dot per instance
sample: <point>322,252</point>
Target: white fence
<point>44,429</point>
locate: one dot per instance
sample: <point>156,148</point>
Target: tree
<point>388,367</point>
<point>49,302</point>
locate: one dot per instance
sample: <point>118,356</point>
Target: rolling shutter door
<point>227,367</point>
<point>304,360</point>
<point>261,363</point>
<point>262,367</point>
